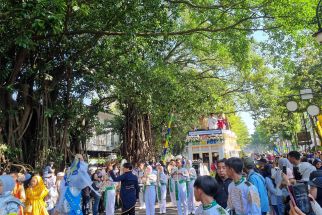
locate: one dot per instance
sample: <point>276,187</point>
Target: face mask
<point>116,171</point>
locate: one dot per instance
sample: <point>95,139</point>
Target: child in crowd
<point>9,205</point>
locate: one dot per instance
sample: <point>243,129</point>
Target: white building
<point>107,141</point>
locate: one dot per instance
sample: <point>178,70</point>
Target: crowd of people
<point>251,185</point>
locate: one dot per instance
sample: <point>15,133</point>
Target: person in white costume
<point>149,179</point>
<point>205,187</point>
<point>139,172</point>
<point>190,183</point>
<point>172,165</point>
<point>108,187</point>
<point>180,175</point>
<point>203,169</point>
<point>162,180</point>
<point>212,122</point>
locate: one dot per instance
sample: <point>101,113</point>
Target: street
<point>171,210</point>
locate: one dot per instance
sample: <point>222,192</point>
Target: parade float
<point>210,145</point>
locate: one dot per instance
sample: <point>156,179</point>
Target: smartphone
<point>299,197</point>
<point>284,170</point>
<point>290,191</point>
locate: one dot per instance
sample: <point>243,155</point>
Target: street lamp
<point>318,35</point>
<point>313,110</point>
<point>305,94</point>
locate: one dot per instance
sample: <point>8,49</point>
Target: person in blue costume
<point>76,179</point>
<point>204,189</point>
<point>129,188</point>
<point>9,205</point>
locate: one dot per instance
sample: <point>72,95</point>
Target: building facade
<point>104,142</point>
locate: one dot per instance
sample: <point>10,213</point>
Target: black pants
<point>129,212</point>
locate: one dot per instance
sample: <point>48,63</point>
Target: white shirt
<point>305,169</point>
<point>212,123</point>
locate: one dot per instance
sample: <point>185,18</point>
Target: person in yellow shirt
<point>35,204</point>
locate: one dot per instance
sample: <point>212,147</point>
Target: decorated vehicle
<point>207,146</point>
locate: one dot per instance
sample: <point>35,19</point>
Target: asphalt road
<point>171,210</point>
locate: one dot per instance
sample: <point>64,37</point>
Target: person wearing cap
<point>259,182</point>
<point>9,205</point>
<point>162,180</point>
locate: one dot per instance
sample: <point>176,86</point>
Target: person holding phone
<point>274,190</point>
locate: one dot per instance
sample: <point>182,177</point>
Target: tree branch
<point>157,34</point>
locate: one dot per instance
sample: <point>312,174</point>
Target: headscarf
<point>40,186</point>
<point>8,184</point>
<point>284,162</point>
<point>161,169</point>
<point>189,164</point>
<point>148,170</point>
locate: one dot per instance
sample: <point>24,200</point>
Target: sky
<point>246,116</point>
<point>249,121</point>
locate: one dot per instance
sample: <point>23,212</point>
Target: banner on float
<point>204,132</point>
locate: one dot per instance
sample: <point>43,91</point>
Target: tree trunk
<point>137,139</point>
